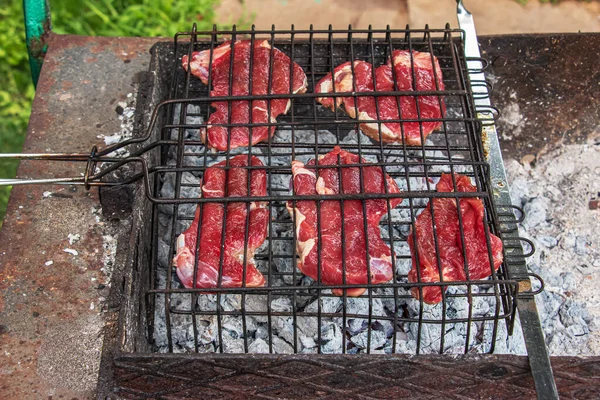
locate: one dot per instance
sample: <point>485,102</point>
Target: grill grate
<point>177,315</point>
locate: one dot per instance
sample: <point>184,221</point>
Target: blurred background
<point>165,17</point>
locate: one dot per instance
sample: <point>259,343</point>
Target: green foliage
<point>81,17</point>
<point>133,17</point>
<point>16,91</point>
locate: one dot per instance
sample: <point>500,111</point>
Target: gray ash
<point>554,193</point>
<point>360,333</point>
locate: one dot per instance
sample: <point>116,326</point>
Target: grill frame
<point>506,300</point>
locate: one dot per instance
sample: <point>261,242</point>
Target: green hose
<point>37,28</point>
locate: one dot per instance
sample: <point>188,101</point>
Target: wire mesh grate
<point>292,313</point>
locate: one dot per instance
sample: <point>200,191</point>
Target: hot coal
<point>370,325</point>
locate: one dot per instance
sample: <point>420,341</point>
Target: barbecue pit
<point>504,284</point>
<point>292,315</point>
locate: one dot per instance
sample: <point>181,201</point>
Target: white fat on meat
<point>184,260</point>
<point>238,254</point>
<point>298,169</point>
<point>265,111</point>
<point>325,87</point>
<point>264,43</point>
<point>363,116</point>
<point>380,265</point>
<point>205,190</point>
<point>302,88</point>
<point>344,85</point>
<point>299,219</point>
<point>257,204</point>
<point>201,60</point>
<point>303,248</point>
<point>420,60</point>
<point>182,250</point>
<point>321,188</point>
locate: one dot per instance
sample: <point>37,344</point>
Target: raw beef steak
<point>449,242</point>
<point>242,112</point>
<point>220,182</point>
<point>311,181</point>
<point>365,109</point>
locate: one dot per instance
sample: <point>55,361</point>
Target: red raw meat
<point>449,241</point>
<point>220,182</point>
<point>310,181</point>
<point>217,137</point>
<point>391,132</point>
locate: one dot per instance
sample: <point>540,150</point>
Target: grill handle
<point>467,24</point>
<point>73,157</point>
<point>90,177</point>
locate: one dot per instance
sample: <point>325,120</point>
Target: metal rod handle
<point>90,160</point>
<point>46,156</point>
<point>69,181</point>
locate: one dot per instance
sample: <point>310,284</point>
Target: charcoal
<point>208,331</point>
<point>231,302</point>
<point>307,326</point>
<point>164,253</point>
<point>569,240</point>
<point>569,282</point>
<point>577,330</point>
<point>384,326</point>
<point>573,313</point>
<point>328,305</point>
<point>307,342</point>
<point>360,306</point>
<point>284,328</point>
<point>356,325</point>
<point>285,265</point>
<point>261,332</point>
<point>378,339</point>
<point>280,346</point>
<point>258,346</point>
<point>233,326</point>
<point>331,338</point>
<point>257,303</point>
<point>407,346</point>
<point>207,302</point>
<point>379,351</point>
<point>232,344</point>
<point>567,245</point>
<point>382,331</point>
<point>481,307</point>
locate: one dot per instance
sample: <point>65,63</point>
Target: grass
<point>80,17</point>
<point>16,91</point>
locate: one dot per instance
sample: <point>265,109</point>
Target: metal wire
<point>456,147</point>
